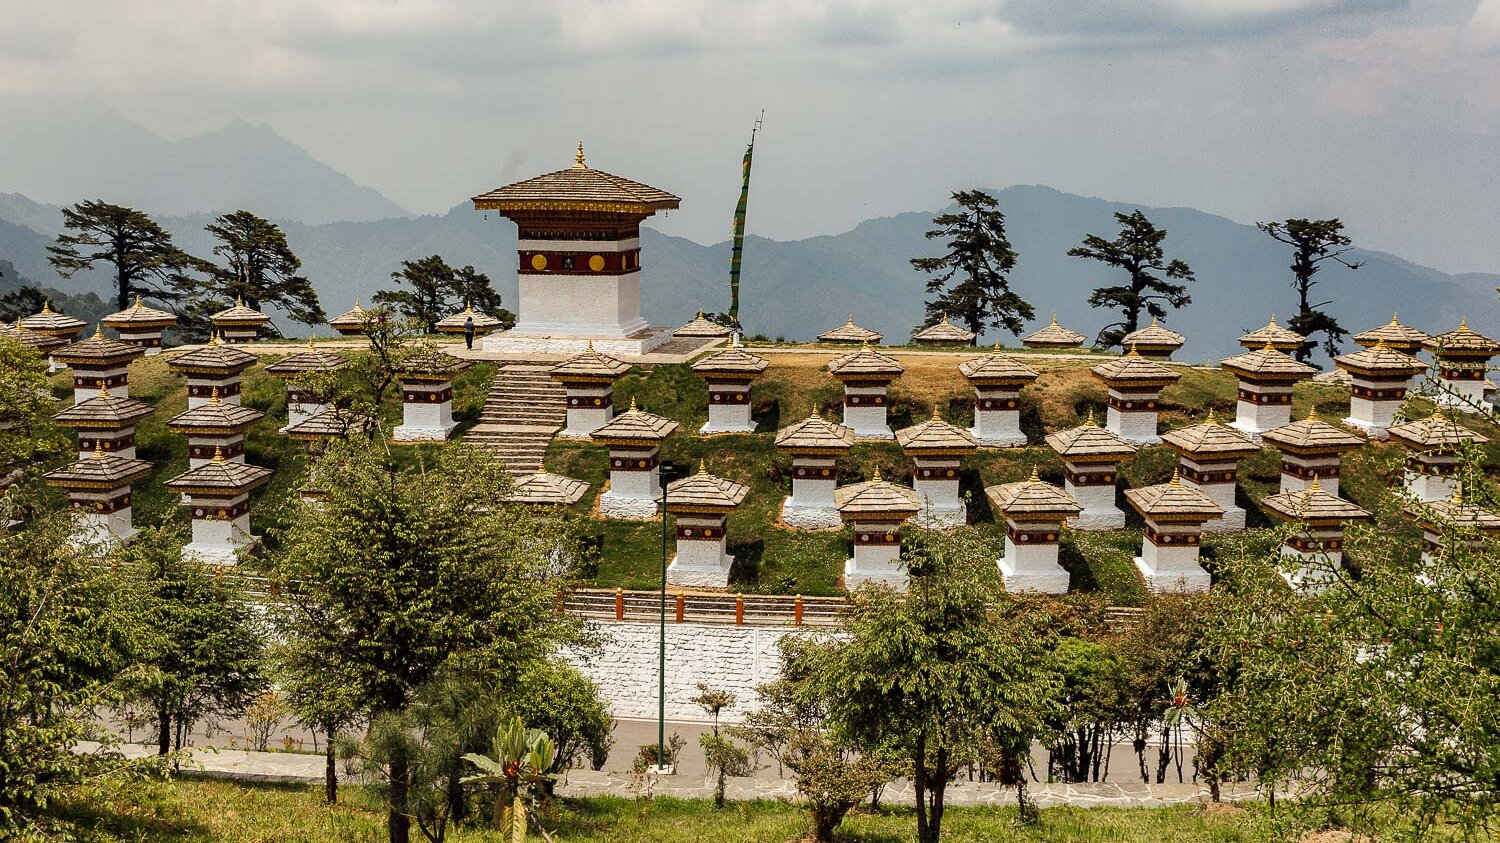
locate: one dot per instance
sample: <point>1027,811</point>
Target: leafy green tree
<point>1093,698</point>
<point>970,281</point>
<point>399,577</point>
<point>439,290</point>
<point>260,268</point>
<point>141,252</point>
<point>1313,242</point>
<point>21,302</point>
<point>68,638</point>
<point>558,699</point>
<point>205,645</point>
<point>321,700</point>
<point>722,755</point>
<point>30,442</point>
<point>1138,251</point>
<point>952,673</point>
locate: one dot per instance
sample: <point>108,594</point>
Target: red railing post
<point>619,604</point>
<point>739,609</point>
<point>797,612</point>
<point>681,605</point>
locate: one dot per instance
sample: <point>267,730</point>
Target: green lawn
<point>189,811</point>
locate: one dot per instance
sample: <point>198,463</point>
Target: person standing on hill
<point>469,332</point>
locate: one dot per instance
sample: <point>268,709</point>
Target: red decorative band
<point>612,234</point>
<point>227,388</point>
<point>1308,472</point>
<point>89,442</point>
<point>1085,479</point>
<point>1252,397</point>
<point>995,403</point>
<point>1031,536</point>
<point>937,473</point>
<point>877,538</point>
<point>137,339</point>
<point>427,396</point>
<point>83,381</point>
<point>634,463</point>
<point>699,533</point>
<point>1171,539</point>
<point>591,402</point>
<point>1308,544</point>
<point>1132,405</point>
<point>220,513</point>
<point>803,472</point>
<point>102,507</point>
<point>738,396</point>
<point>1466,374</point>
<point>1434,468</point>
<point>1208,477</point>
<point>580,263</point>
<point>206,451</point>
<point>864,400</point>
<point>1368,394</point>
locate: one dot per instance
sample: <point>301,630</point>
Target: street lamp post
<point>666,472</point>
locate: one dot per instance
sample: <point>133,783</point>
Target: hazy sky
<point>1384,112</point>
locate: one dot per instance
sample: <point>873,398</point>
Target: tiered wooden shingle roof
<point>578,188</point>
<point>1435,515</point>
<point>876,498</point>
<point>997,369</point>
<point>351,321</point>
<point>865,363</point>
<point>239,316</point>
<point>635,426</point>
<point>104,412</point>
<point>936,436</point>
<point>1435,431</point>
<point>1135,370</point>
<point>1281,339</point>
<point>589,366</point>
<point>98,471</point>
<point>214,358</point>
<point>1154,338</point>
<point>1395,335</point>
<point>307,360</point>
<point>1090,442</point>
<point>547,489</point>
<point>704,492</point>
<point>702,328</point>
<point>1032,497</point>
<point>215,416</point>
<point>850,332</point>
<point>1463,340</point>
<point>815,434</point>
<point>483,322</point>
<point>731,361</point>
<point>432,364</point>
<point>332,423</point>
<point>1267,363</point>
<point>220,478</point>
<point>1314,505</point>
<point>1172,501</point>
<point>1312,435</point>
<point>53,324</point>
<point>98,350</point>
<point>1053,336</point>
<point>140,316</point>
<point>944,332</point>
<point>1380,360</point>
<point>43,343</point>
<point>1210,439</point>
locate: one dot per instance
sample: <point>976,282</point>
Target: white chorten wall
<point>877,555</point>
<point>1219,489</point>
<point>1030,564</point>
<point>590,407</point>
<point>1132,414</point>
<point>218,539</point>
<point>1169,561</point>
<point>121,442</point>
<point>1262,407</point>
<point>1086,483</point>
<point>87,382</point>
<point>936,482</point>
<point>103,516</point>
<point>634,485</point>
<point>426,412</point>
<point>811,506</point>
<point>997,417</point>
<point>728,408</point>
<point>702,560</point>
<point>1297,473</point>
<point>201,389</point>
<point>865,411</point>
<point>1373,404</point>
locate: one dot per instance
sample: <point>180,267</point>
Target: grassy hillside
<point>770,558</point>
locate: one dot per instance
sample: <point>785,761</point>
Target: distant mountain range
<point>795,289</point>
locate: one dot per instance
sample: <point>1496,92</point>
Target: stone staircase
<point>522,412</point>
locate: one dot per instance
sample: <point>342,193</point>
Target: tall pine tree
<point>438,290</point>
<point>260,268</point>
<point>144,259</point>
<point>1313,242</point>
<point>1138,251</point>
<point>970,281</point>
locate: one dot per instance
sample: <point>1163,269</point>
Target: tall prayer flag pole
<point>738,250</point>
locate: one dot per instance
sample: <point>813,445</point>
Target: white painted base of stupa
<point>1293,483</point>
<point>1370,429</point>
<point>868,422</point>
<point>103,531</point>
<point>801,516</point>
<point>938,516</point>
<point>711,427</point>
<point>1310,573</point>
<point>220,542</point>
<point>1467,396</point>
<point>998,429</point>
<point>582,421</point>
<point>1430,487</point>
<point>1233,521</point>
<point>626,507</point>
<point>423,433</point>
<point>1138,428</point>
<point>1017,441</point>
<point>699,573</point>
<point>1098,519</point>
<point>891,573</point>
<point>1041,575</point>
<point>1182,578</point>
<point>572,340</point>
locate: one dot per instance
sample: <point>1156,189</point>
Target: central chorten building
<point>579,248</point>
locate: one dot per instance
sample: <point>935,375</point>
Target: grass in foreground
<point>189,811</point>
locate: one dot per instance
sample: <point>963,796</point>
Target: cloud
<point>1155,20</point>
<point>1482,33</point>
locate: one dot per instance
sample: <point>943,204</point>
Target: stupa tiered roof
<point>1312,435</point>
<point>1032,497</point>
<point>104,412</point>
<point>332,423</point>
<point>635,426</point>
<point>1394,335</point>
<point>578,188</point>
<point>220,478</point>
<point>1267,363</point>
<point>1053,336</point>
<point>1454,512</point>
<point>547,489</point>
<point>1089,441</point>
<point>936,436</point>
<point>351,321</point>
<point>1210,439</point>
<point>1336,377</point>
<point>815,434</point>
<point>307,360</point>
<point>140,316</point>
<point>944,332</point>
<point>53,324</point>
<point>850,332</point>
<point>43,343</point>
<point>876,497</point>
<point>430,364</point>
<point>704,492</point>
<point>1173,501</point>
<point>996,368</point>
<point>731,361</point>
<point>1462,341</point>
<point>1281,339</point>
<point>1133,369</point>
<point>702,328</point>
<point>1155,338</point>
<point>215,416</point>
<point>239,316</point>
<point>1314,504</point>
<point>865,363</point>
<point>1380,360</point>
<point>589,366</point>
<point>483,322</point>
<point>98,350</point>
<point>1435,431</point>
<point>215,358</point>
<point>98,471</point>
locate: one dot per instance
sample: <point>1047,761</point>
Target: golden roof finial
<point>1463,324</point>
<point>213,397</point>
<point>1213,417</point>
<point>1312,413</point>
<point>98,449</point>
<point>1269,346</point>
<point>1437,411</point>
<point>945,318</point>
<point>356,305</point>
<point>1091,421</point>
<point>1314,486</point>
<point>851,319</point>
<point>864,344</point>
<point>633,407</point>
<point>589,349</point>
<point>99,330</point>
<point>1036,476</point>
<point>1153,322</point>
<point>817,415</point>
<point>1380,343</point>
<point>1054,320</point>
<point>1272,323</point>
<point>47,306</point>
<point>309,344</point>
<point>103,390</point>
<point>1176,476</point>
<point>578,158</point>
<point>700,314</point>
<point>702,469</point>
<point>213,337</point>
<point>1458,494</point>
<point>218,454</point>
<point>239,300</point>
<point>137,305</point>
<point>1133,352</point>
<point>935,415</point>
<point>1394,320</point>
<point>876,478</point>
